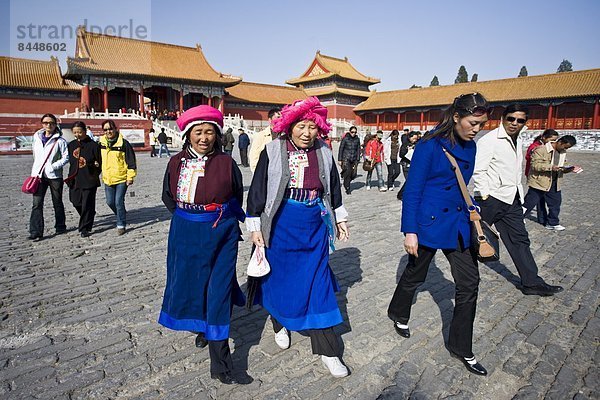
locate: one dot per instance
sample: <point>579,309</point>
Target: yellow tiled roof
<point>538,87</point>
<point>263,93</point>
<point>34,74</point>
<point>323,90</point>
<point>107,54</point>
<point>325,66</point>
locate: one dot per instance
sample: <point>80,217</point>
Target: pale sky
<point>400,42</point>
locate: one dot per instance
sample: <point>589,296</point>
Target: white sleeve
<point>483,157</point>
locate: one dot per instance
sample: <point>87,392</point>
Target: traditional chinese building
<point>118,73</point>
<point>27,86</point>
<point>567,101</point>
<point>336,83</point>
<point>254,100</point>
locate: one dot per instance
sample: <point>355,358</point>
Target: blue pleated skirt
<point>299,292</point>
<point>201,283</point>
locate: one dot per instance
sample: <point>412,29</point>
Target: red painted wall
<point>37,106</point>
<point>248,113</point>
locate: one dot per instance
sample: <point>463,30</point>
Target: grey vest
<point>279,176</point>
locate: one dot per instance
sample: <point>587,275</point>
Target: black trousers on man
<point>84,201</point>
<point>508,220</point>
<point>349,173</point>
<point>244,157</point>
<point>393,173</point>
<point>324,342</point>
<point>465,271</point>
<point>553,198</point>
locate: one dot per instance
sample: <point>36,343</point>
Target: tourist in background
<point>228,141</point>
<point>48,147</point>
<point>295,211</point>
<point>435,216</point>
<point>391,151</point>
<point>374,153</point>
<point>243,144</point>
<point>203,190</point>
<point>84,176</point>
<point>163,140</point>
<point>406,152</point>
<point>549,135</point>
<point>118,170</point>
<point>349,157</point>
<point>153,141</point>
<point>260,139</point>
<point>545,178</point>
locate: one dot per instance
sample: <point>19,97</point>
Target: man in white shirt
<point>497,178</point>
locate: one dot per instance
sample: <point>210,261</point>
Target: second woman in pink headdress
<point>295,212</point>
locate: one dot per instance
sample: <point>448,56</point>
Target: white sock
<point>401,326</point>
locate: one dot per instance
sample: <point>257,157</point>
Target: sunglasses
<point>107,130</point>
<point>478,111</point>
<point>513,119</point>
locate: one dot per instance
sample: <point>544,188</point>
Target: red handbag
<point>32,183</point>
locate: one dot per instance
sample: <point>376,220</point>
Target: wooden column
<point>221,104</point>
<point>85,98</point>
<point>377,121</point>
<point>209,100</point>
<point>549,123</point>
<point>142,99</point>
<point>398,121</point>
<point>105,102</point>
<point>596,117</point>
<point>421,122</point>
<point>181,100</point>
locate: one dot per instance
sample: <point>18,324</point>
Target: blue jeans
<point>115,199</point>
<point>378,168</point>
<point>163,146</point>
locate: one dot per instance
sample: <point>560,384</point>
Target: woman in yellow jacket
<point>118,170</point>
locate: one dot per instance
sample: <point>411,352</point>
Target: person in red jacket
<point>374,153</point>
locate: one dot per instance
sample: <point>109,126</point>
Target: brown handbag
<point>484,239</point>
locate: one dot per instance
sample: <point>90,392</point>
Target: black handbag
<point>485,240</point>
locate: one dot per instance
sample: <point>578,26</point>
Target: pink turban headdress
<point>300,110</point>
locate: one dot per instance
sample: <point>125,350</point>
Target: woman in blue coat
<point>435,216</point>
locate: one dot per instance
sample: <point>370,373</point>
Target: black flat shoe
<point>85,234</point>
<point>543,289</point>
<point>201,341</point>
<point>401,331</point>
<point>35,238</point>
<point>227,378</point>
<point>475,368</point>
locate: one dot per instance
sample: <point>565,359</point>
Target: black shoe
<point>85,234</point>
<point>401,331</point>
<point>201,341</point>
<point>348,191</point>
<point>227,378</point>
<point>475,368</point>
<point>543,289</point>
<point>35,238</point>
<point>60,231</point>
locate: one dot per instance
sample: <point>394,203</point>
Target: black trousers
<point>393,173</point>
<point>508,219</point>
<point>84,201</point>
<point>553,198</point>
<point>349,172</point>
<point>220,356</point>
<point>244,157</point>
<point>324,342</point>
<point>36,220</point>
<point>405,170</point>
<point>465,271</point>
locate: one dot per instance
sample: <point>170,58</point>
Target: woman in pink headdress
<point>203,189</point>
<point>295,211</point>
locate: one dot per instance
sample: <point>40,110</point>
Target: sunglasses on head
<point>476,111</point>
<point>513,119</point>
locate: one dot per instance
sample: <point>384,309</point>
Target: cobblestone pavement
<point>78,316</point>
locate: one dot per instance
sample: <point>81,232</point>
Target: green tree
<point>474,78</point>
<point>523,71</point>
<point>565,66</point>
<point>415,86</point>
<point>462,76</point>
<point>435,81</point>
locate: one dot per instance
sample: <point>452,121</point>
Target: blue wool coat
<point>433,206</point>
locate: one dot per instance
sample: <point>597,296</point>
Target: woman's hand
<point>411,244</point>
<point>257,239</point>
<point>343,233</point>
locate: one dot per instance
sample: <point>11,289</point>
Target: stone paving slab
<point>78,316</point>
